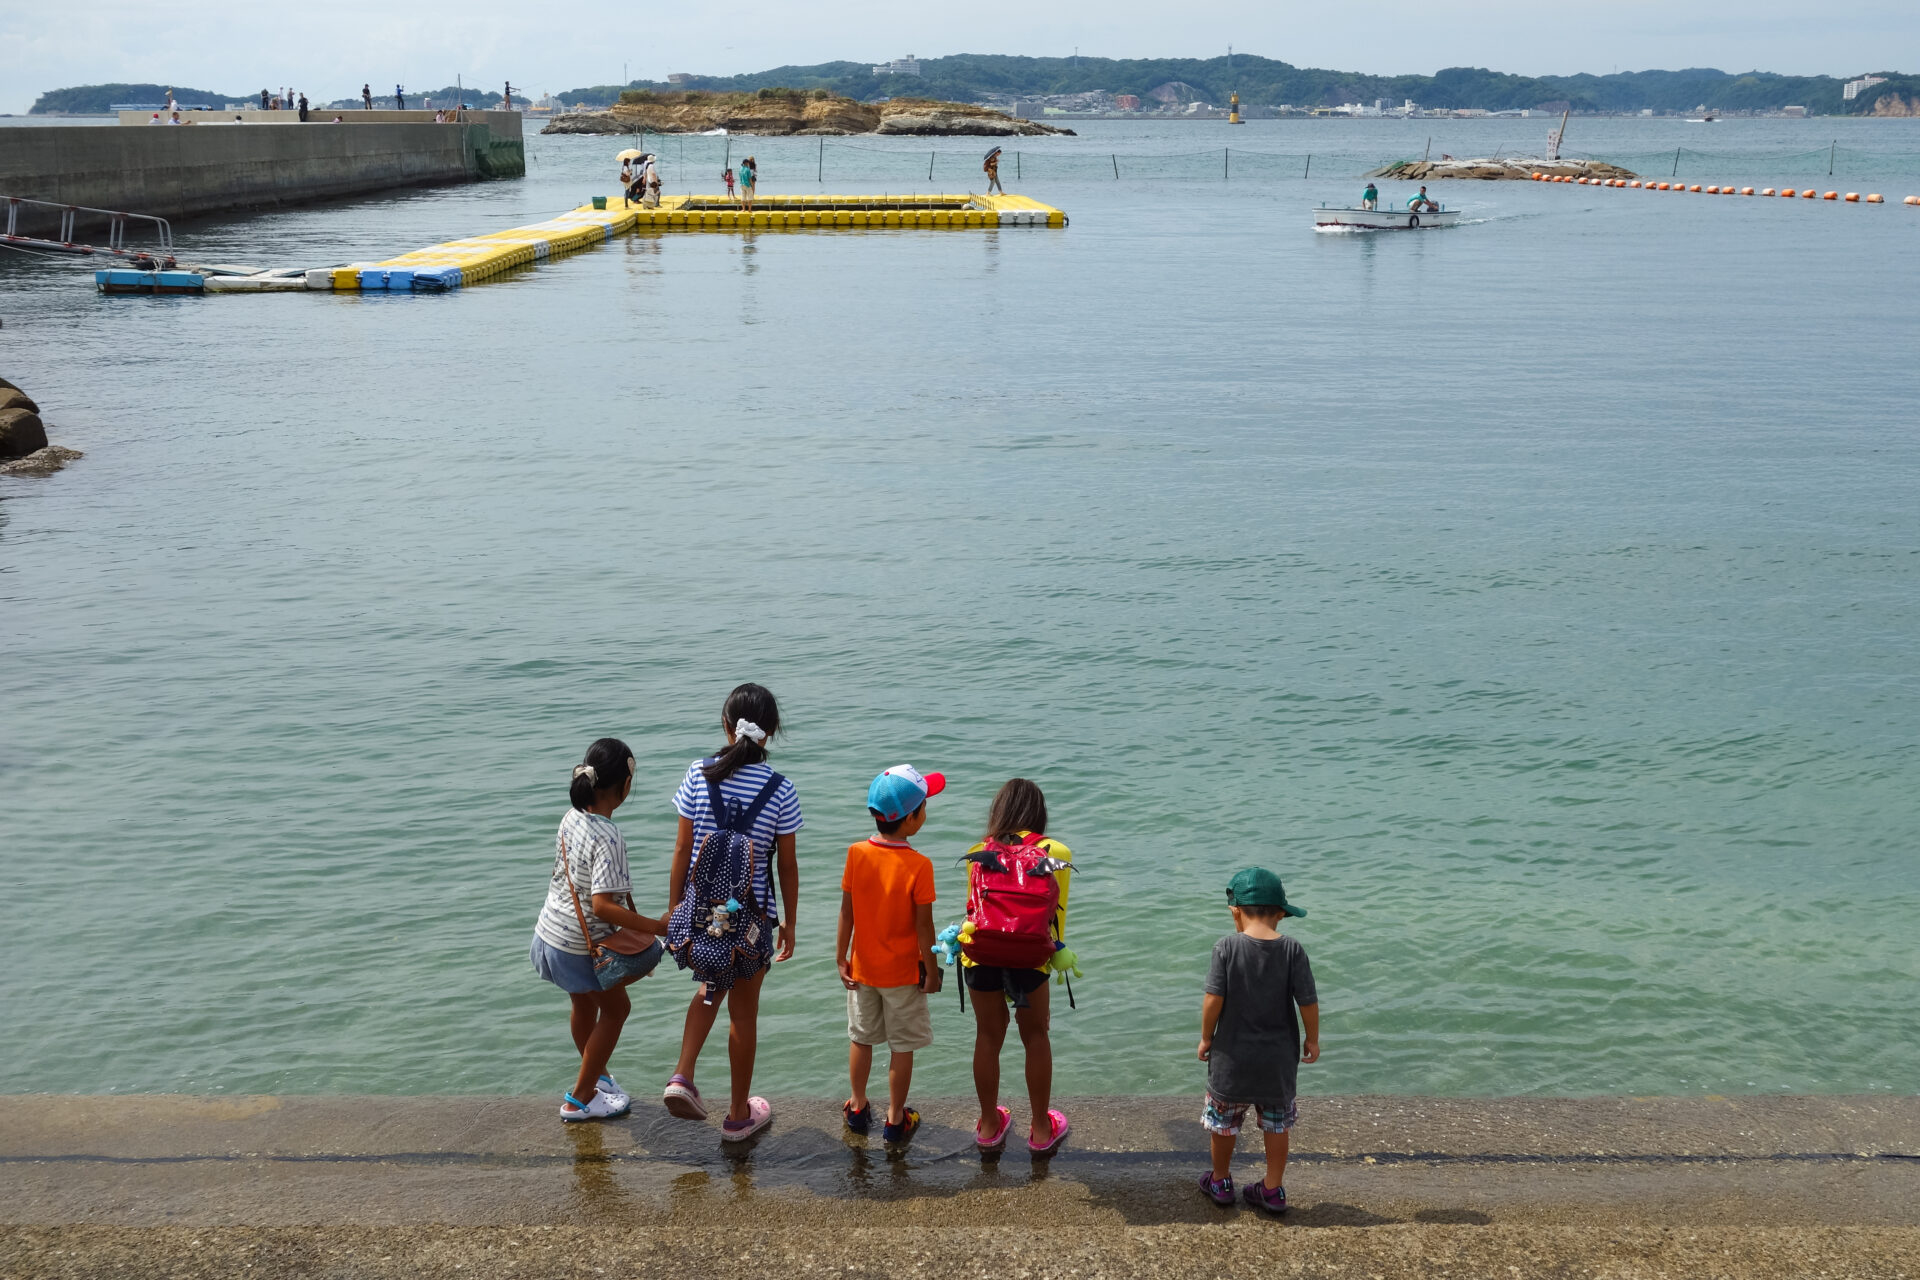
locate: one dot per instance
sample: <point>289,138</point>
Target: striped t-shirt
<point>597,862</point>
<point>781,817</point>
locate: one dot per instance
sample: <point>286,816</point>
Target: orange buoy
<point>1663,186</point>
<point>1875,199</point>
<point>1765,191</point>
<point>1634,185</point>
<point>1746,191</point>
<point>1853,197</point>
<point>1712,191</point>
<point>1536,177</point>
<point>1831,195</point>
<point>1911,200</point>
<point>1809,194</point>
<point>1788,192</point>
<point>1694,187</point>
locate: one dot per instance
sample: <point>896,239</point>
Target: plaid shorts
<point>1225,1118</point>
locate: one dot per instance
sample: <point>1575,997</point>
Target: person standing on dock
<point>303,108</point>
<point>749,173</point>
<point>991,167</point>
<point>263,99</point>
<point>726,176</point>
<point>649,182</point>
<point>399,98</point>
<point>366,96</point>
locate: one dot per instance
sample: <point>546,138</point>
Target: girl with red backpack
<point>1017,911</point>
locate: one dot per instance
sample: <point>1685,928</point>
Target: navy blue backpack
<point>721,929</point>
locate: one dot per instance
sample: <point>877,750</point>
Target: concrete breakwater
<point>210,167</point>
<point>334,1186</point>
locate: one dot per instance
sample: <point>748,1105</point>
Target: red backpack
<point>1011,902</point>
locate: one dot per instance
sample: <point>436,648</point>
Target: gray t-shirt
<point>1256,1044</point>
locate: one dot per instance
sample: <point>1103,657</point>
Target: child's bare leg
<point>1033,1038</point>
<point>743,1040</point>
<point>693,1037</point>
<point>586,1012</point>
<point>614,1008</point>
<point>1223,1144</point>
<point>899,1079</point>
<point>859,1067</point>
<point>990,1020</point>
<point>1276,1158</point>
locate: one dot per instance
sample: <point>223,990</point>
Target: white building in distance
<point>1852,88</point>
<point>907,66</point>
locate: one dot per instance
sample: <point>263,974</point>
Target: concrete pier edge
<point>337,1186</point>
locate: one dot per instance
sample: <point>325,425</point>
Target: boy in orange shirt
<point>886,921</point>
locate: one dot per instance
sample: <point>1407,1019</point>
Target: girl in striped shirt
<point>741,771</point>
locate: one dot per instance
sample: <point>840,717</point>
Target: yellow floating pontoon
<point>463,262</point>
<point>797,213</point>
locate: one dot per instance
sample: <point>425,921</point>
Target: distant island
<point>781,112</point>
<point>1045,87</point>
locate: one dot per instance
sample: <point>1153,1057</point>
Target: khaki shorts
<point>894,1016</point>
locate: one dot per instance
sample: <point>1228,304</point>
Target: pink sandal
<point>1057,1134</point>
<point>998,1142</point>
<point>759,1116</point>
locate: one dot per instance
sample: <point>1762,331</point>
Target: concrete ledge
<point>174,172</point>
<point>498,1186</point>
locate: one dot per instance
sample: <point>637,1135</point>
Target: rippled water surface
<point>1540,597</point>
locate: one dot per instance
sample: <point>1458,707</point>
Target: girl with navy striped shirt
<point>740,770</point>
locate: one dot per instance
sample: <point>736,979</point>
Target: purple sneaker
<point>1272,1201</point>
<point>1218,1190</point>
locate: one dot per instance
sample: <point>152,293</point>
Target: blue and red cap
<point>902,789</point>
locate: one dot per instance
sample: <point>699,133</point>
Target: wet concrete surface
<point>1381,1186</point>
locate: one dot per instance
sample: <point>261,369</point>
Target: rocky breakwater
<point>779,113</point>
<point>1498,170</point>
<point>24,450</point>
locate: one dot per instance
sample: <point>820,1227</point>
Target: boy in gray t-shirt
<point>1249,1037</point>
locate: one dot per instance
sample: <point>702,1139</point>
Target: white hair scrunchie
<point>588,771</point>
<point>748,729</point>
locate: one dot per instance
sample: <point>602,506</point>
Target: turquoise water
<point>1540,597</point>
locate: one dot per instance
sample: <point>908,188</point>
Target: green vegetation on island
<point>1261,82</point>
<point>1266,82</point>
<point>97,99</point>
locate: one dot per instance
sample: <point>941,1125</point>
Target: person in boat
<point>1424,203</point>
<point>1370,198</point>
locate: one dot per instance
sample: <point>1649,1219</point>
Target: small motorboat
<point>1384,219</point>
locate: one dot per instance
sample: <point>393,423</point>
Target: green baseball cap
<point>1259,887</point>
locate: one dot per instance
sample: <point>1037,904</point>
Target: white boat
<point>1384,219</point>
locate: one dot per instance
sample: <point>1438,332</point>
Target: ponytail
<point>607,767</point>
<point>752,717</point>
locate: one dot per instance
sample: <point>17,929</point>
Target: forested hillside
<point>1267,82</point>
<point>93,98</point>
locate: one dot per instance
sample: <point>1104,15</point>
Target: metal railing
<point>69,220</point>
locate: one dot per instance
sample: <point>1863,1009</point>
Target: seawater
<point>1539,597</point>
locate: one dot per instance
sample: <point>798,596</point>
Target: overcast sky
<point>328,49</point>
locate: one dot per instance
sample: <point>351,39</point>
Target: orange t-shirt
<point>886,881</point>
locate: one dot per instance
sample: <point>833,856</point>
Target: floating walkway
<point>477,258</point>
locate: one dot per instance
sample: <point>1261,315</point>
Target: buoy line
<point>1809,193</point>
